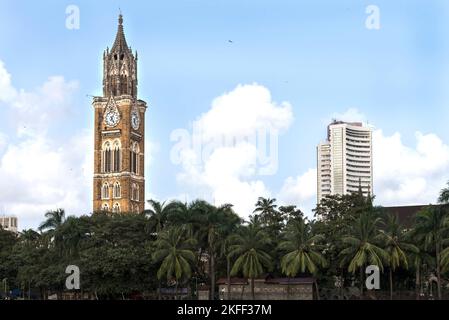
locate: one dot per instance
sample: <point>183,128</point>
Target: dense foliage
<point>183,245</point>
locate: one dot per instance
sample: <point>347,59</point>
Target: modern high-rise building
<point>345,160</point>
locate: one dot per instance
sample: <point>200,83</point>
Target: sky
<point>239,95</point>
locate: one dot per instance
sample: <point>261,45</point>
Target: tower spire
<point>120,67</point>
<point>120,44</point>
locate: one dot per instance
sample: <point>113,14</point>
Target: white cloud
<point>38,172</point>
<point>35,111</point>
<point>300,191</point>
<point>7,91</point>
<point>350,115</point>
<point>406,175</point>
<point>228,173</point>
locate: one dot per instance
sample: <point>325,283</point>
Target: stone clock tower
<point>119,180</point>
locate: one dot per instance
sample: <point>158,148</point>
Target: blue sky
<point>316,55</point>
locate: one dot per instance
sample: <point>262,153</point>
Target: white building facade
<point>345,160</point>
<point>9,223</point>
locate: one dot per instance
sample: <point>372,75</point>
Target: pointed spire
<point>120,44</point>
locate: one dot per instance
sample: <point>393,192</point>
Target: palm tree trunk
<point>176,290</point>
<point>317,290</point>
<point>417,282</point>
<point>361,282</point>
<point>437,249</point>
<point>252,288</point>
<point>391,284</point>
<point>212,276</point>
<point>228,274</point>
<point>159,291</point>
<point>342,283</point>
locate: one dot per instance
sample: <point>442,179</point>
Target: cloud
<point>39,172</point>
<point>406,175</point>
<point>244,110</point>
<point>224,158</point>
<point>36,110</point>
<point>350,115</point>
<point>7,91</point>
<point>43,175</point>
<point>300,191</point>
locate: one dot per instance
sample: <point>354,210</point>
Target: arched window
<point>117,190</point>
<point>107,157</point>
<point>117,156</point>
<point>105,191</point>
<point>134,157</point>
<point>116,208</point>
<point>135,192</point>
<point>105,207</point>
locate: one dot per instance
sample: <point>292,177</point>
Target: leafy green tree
<point>303,250</point>
<point>444,195</point>
<point>271,219</point>
<point>397,247</point>
<point>158,214</point>
<point>432,226</point>
<point>174,253</point>
<point>363,245</point>
<point>249,249</point>
<point>54,219</point>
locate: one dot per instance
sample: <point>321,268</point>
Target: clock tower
<point>119,180</point>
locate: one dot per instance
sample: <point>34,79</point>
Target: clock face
<point>111,114</point>
<point>135,120</point>
<point>112,118</point>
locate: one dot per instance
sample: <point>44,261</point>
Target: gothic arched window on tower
<point>105,207</point>
<point>117,191</point>
<point>107,157</point>
<point>135,192</point>
<point>105,191</point>
<point>134,158</point>
<point>117,157</point>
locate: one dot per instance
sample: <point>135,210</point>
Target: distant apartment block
<point>9,223</point>
<point>345,160</point>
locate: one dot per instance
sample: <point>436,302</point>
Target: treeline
<point>183,245</point>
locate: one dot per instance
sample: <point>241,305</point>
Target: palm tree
<point>29,236</point>
<point>265,206</point>
<point>187,216</point>
<point>54,220</point>
<point>51,226</point>
<point>158,214</point>
<point>419,260</point>
<point>174,252</point>
<point>362,245</point>
<point>444,195</point>
<point>396,246</point>
<point>303,250</point>
<point>432,225</point>
<point>445,258</point>
<point>249,248</point>
<point>228,230</point>
<point>214,223</point>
